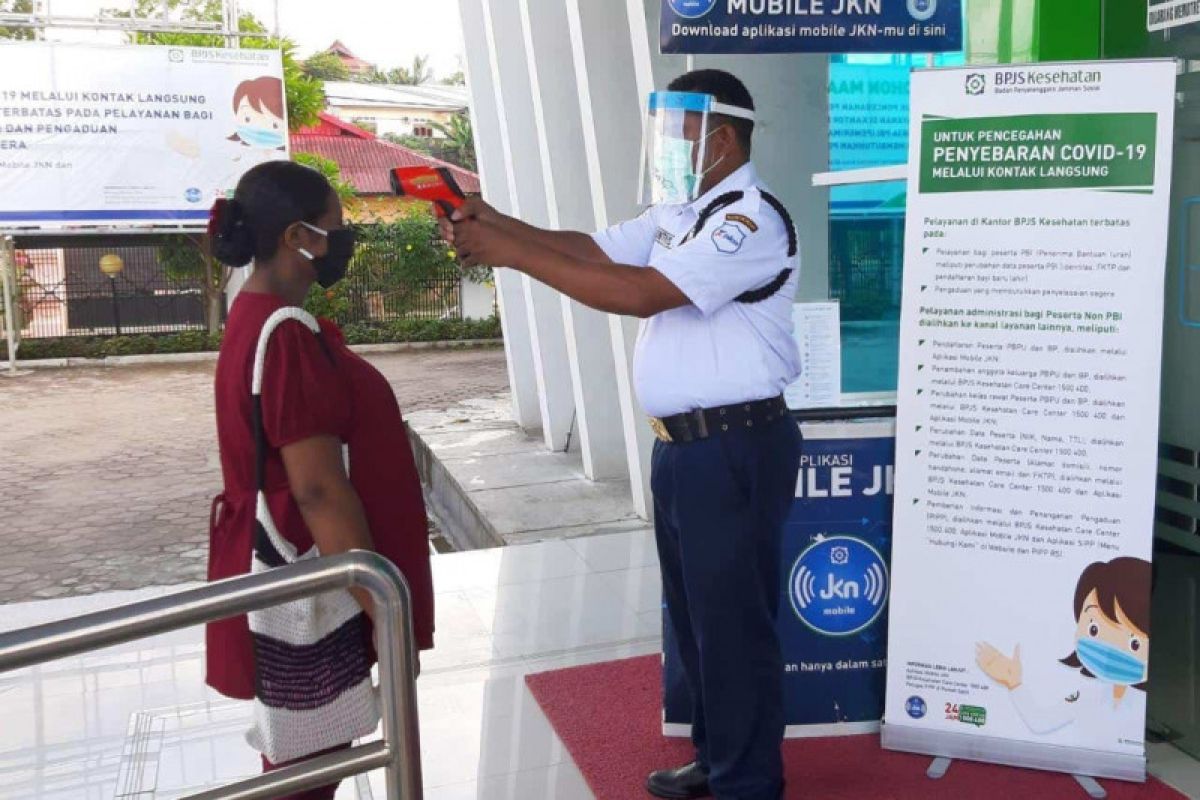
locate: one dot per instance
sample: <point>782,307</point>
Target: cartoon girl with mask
<point>1112,650</point>
<point>259,112</point>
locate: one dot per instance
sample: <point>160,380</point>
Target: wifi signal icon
<point>876,584</point>
<point>805,586</point>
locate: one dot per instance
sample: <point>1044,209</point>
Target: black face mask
<point>332,266</point>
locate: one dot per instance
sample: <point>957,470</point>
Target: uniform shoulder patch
<point>742,219</point>
<point>729,238</point>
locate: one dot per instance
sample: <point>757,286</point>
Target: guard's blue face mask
<point>1110,664</point>
<point>675,177</point>
<point>260,137</point>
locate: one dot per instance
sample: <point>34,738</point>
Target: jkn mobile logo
<point>692,9</point>
<point>976,84</point>
<point>839,586</point>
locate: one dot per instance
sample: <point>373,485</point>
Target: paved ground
<point>106,474</point>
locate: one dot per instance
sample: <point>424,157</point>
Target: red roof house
<point>365,159</point>
<point>354,64</point>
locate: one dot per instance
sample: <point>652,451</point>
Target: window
<point>868,127</point>
<point>423,131</point>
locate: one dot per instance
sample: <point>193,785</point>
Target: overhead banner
<point>1031,340</point>
<point>1163,14</point>
<point>116,135</point>
<point>811,26</point>
<point>834,587</point>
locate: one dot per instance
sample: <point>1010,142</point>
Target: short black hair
<point>269,198</point>
<point>727,89</point>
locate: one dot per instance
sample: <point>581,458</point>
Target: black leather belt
<point>706,422</point>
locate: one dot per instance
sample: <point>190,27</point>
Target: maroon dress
<point>307,392</point>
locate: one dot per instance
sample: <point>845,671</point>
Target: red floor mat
<point>608,716</point>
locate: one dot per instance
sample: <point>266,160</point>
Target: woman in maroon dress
<point>317,397</point>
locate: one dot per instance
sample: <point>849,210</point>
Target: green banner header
<point>1038,151</point>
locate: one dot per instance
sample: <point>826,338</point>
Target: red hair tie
<point>216,215</point>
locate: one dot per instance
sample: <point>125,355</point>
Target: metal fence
<point>377,294</point>
<point>63,292</point>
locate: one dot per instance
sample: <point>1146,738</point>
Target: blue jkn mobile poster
<point>811,26</point>
<point>834,586</point>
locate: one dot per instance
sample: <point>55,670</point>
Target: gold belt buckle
<point>660,429</point>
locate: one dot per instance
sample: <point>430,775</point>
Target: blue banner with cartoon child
<point>833,586</point>
<point>811,26</point>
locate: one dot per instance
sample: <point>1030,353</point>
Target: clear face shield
<point>674,144</point>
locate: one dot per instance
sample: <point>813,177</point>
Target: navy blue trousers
<point>720,506</point>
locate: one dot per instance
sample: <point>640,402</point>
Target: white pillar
<point>568,197</point>
<point>602,49</point>
<point>495,175</point>
<point>510,71</point>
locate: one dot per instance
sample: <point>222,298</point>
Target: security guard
<point>711,266</point>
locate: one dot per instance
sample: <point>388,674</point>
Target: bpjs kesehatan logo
<point>692,9</point>
<point>839,586</point>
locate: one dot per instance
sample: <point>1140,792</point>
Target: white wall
<point>478,300</point>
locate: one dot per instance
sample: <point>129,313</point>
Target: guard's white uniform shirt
<point>715,352</point>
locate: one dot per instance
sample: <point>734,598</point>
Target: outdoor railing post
<point>399,753</point>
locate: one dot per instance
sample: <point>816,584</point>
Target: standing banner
<point>811,26</point>
<point>833,589</point>
<point>1031,341</point>
<point>102,134</point>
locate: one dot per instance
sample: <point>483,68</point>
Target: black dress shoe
<point>684,783</point>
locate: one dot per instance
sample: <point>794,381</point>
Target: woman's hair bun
<point>232,239</point>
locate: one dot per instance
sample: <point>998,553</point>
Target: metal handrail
<point>398,753</point>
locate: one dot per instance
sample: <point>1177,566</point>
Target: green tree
<point>459,144</point>
<point>326,67</point>
<point>17,7</point>
<point>186,257</point>
<point>456,79</point>
<point>418,144</point>
<point>330,169</point>
<point>373,75</point>
<point>414,75</point>
<point>406,265</point>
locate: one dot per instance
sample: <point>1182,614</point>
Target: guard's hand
<point>483,244</point>
<point>476,208</point>
<point>472,208</point>
<point>446,230</point>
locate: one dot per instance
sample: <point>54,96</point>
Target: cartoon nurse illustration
<point>260,134</point>
<point>1112,654</point>
<point>259,112</point>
